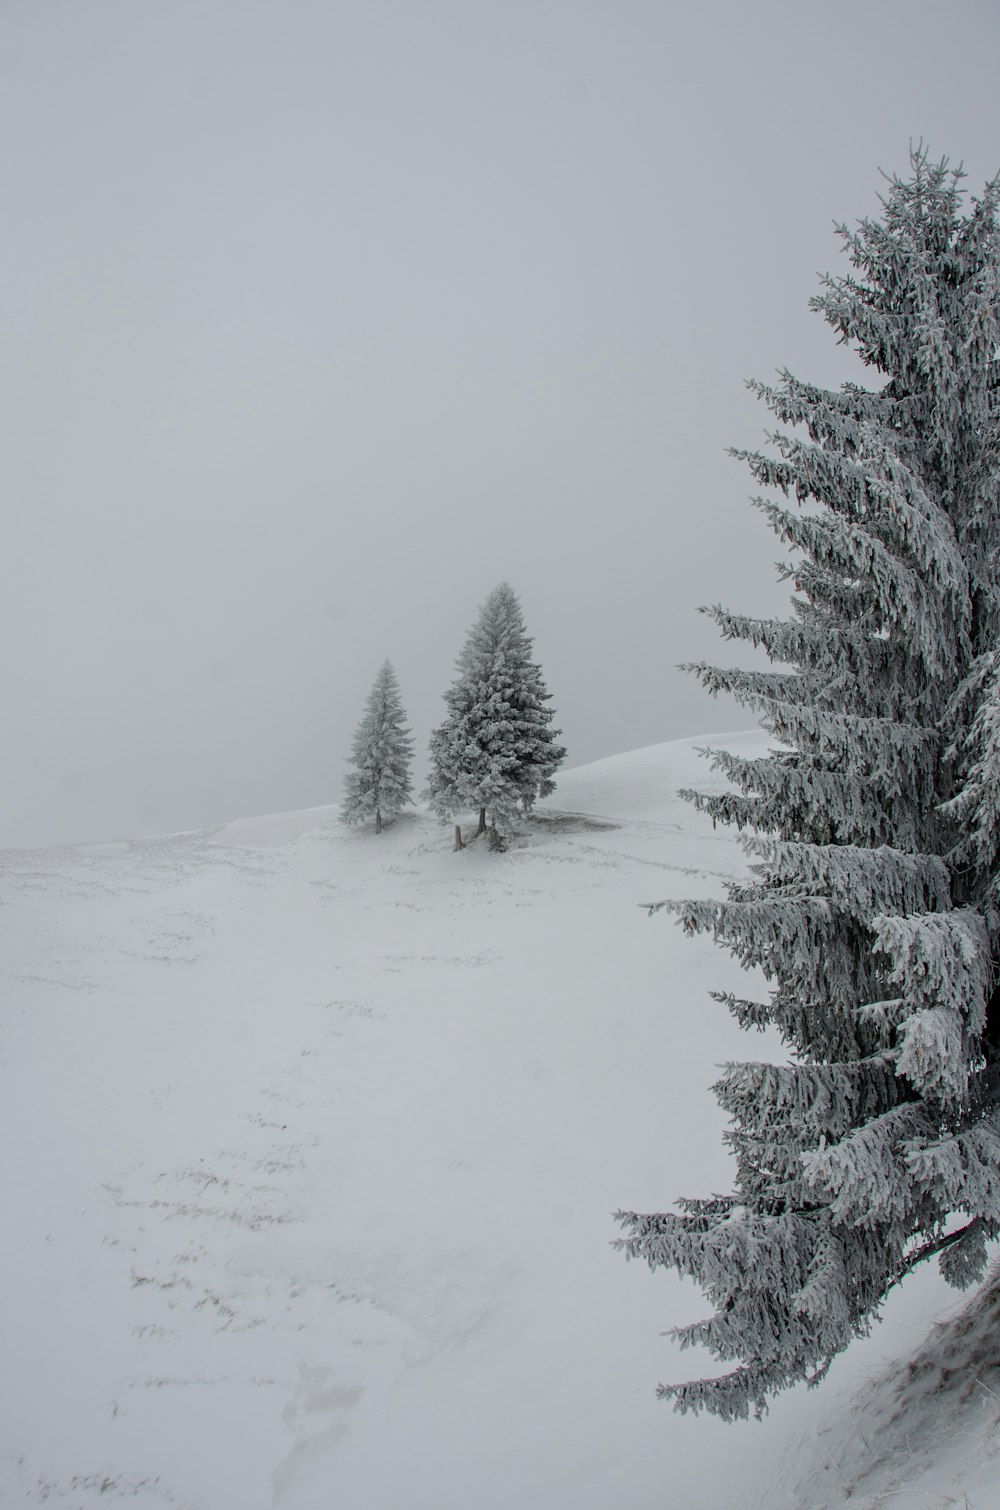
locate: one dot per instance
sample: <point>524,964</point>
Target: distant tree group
<point>496,750</point>
<point>873,910</point>
<point>379,785</point>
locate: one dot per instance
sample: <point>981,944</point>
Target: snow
<point>923,1432</point>
<point>313,1140</point>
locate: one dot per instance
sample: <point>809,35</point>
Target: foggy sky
<point>319,319</point>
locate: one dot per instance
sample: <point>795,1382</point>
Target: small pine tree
<point>873,910</point>
<point>496,750</point>
<point>379,784</point>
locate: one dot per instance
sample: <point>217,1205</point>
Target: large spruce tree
<point>496,751</point>
<point>379,784</point>
<point>873,823</point>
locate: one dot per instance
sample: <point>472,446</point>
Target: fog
<point>319,319</point>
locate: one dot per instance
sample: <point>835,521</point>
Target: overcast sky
<point>318,318</point>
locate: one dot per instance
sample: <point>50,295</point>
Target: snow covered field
<point>312,1141</point>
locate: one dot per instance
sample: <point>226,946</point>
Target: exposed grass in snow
<point>923,1432</point>
<point>313,1140</point>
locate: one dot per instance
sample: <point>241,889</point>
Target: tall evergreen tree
<point>872,912</point>
<point>496,749</point>
<point>379,784</point>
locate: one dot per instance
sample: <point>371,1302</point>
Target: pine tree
<point>873,824</point>
<point>379,784</point>
<point>496,750</point>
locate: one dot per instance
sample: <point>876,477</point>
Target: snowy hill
<point>313,1140</point>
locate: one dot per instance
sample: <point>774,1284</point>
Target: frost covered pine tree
<point>496,750</point>
<point>379,784</point>
<point>872,911</point>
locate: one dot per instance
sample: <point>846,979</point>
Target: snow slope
<point>924,1432</point>
<point>313,1140</point>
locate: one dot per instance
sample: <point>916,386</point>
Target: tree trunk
<point>378,820</point>
<point>482,822</point>
<point>458,837</point>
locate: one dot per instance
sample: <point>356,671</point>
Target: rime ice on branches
<point>379,784</point>
<point>873,824</point>
<point>495,752</point>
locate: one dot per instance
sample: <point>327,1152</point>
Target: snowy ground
<point>312,1143</point>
